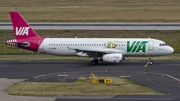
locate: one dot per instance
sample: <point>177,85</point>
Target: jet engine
<point>112,58</point>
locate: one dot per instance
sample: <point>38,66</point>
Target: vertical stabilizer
<point>26,37</point>
<point>21,28</point>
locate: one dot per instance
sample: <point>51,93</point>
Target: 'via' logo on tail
<point>22,31</point>
<point>136,46</point>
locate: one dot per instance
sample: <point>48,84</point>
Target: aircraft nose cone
<point>171,50</point>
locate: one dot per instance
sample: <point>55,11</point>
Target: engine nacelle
<point>112,58</point>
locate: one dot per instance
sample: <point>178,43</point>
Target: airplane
<point>113,50</point>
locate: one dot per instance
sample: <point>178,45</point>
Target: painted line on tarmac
<point>38,76</point>
<point>62,75</point>
<point>125,76</point>
<point>172,77</point>
<point>145,99</point>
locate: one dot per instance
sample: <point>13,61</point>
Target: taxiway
<point>163,76</point>
<point>98,26</point>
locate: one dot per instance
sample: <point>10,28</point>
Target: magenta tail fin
<point>26,37</point>
<point>21,28</point>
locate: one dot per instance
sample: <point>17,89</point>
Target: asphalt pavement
<point>98,26</point>
<point>163,76</point>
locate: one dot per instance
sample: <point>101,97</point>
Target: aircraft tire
<point>150,62</point>
<point>94,62</point>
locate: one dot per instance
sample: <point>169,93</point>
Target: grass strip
<point>93,10</point>
<point>82,86</point>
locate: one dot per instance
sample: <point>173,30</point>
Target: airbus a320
<point>112,50</point>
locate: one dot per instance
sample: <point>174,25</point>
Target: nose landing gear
<point>150,60</point>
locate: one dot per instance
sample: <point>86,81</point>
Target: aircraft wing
<point>96,51</point>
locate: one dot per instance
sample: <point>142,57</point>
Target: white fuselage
<point>126,46</point>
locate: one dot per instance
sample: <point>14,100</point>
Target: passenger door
<point>151,45</point>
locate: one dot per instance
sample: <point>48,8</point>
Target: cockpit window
<point>163,44</point>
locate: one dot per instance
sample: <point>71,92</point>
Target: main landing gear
<point>94,62</point>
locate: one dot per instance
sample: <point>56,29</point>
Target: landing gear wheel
<point>94,62</point>
<point>150,62</point>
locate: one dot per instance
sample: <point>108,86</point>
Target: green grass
<point>170,37</point>
<point>40,57</point>
<point>82,86</point>
<point>93,10</point>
